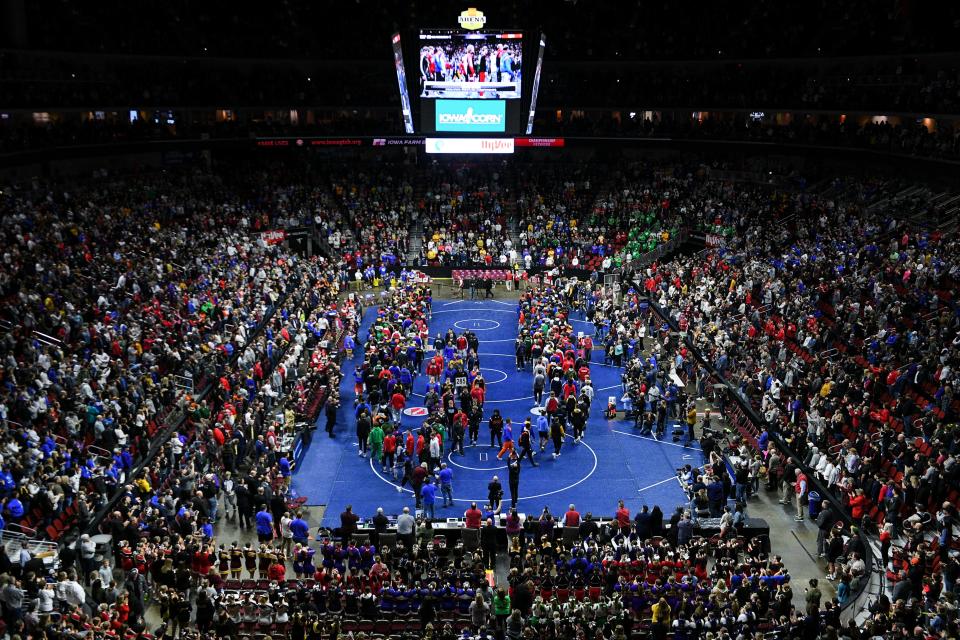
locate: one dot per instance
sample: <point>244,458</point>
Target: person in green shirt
<point>501,608</point>
<point>375,440</point>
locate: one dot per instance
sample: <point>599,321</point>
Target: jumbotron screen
<point>454,64</point>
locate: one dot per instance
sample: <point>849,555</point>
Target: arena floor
<point>611,462</point>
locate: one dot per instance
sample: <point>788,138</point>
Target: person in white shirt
<point>88,552</point>
<point>285,533</point>
<point>45,599</point>
<point>105,573</point>
<point>70,593</point>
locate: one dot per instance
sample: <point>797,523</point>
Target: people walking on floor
<point>579,421</point>
<point>364,425</point>
<point>557,434</point>
<point>543,431</point>
<point>507,439</point>
<point>496,429</point>
<point>389,450</point>
<point>539,382</point>
<point>474,420</point>
<point>458,434</point>
<point>375,440</point>
<point>406,462</point>
<point>526,443</point>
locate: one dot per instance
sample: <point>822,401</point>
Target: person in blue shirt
<point>428,494</point>
<point>284,465</point>
<point>15,508</point>
<point>763,440</point>
<point>264,524</point>
<point>300,529</point>
<point>406,378</point>
<point>446,484</point>
<point>349,344</point>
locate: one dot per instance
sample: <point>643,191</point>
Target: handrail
<point>36,547</point>
<point>100,452</point>
<point>47,339</point>
<point>21,530</point>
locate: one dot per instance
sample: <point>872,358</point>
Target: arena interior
<point>528,321</point>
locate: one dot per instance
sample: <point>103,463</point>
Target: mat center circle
<point>477,457</point>
<point>476,324</point>
<point>486,380</point>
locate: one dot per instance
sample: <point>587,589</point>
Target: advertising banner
<point>471,116</point>
<point>273,237</point>
<point>469,145</point>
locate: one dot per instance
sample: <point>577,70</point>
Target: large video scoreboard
<point>468,81</point>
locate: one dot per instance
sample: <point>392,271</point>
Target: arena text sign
<point>471,19</point>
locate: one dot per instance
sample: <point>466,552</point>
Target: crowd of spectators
<point>601,219</point>
<point>124,315</point>
<point>836,321</point>
<point>135,303</point>
<point>379,206</point>
<point>464,222</point>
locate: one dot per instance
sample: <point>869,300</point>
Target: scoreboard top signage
<point>472,19</point>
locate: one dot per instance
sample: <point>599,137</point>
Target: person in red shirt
<point>390,452</point>
<point>572,517</point>
<point>623,517</point>
<point>419,475</point>
<point>397,403</point>
<point>379,573</point>
<point>473,516</point>
<point>276,571</point>
<point>857,504</point>
<point>421,443</point>
<point>553,405</point>
<point>478,394</point>
<point>587,348</point>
